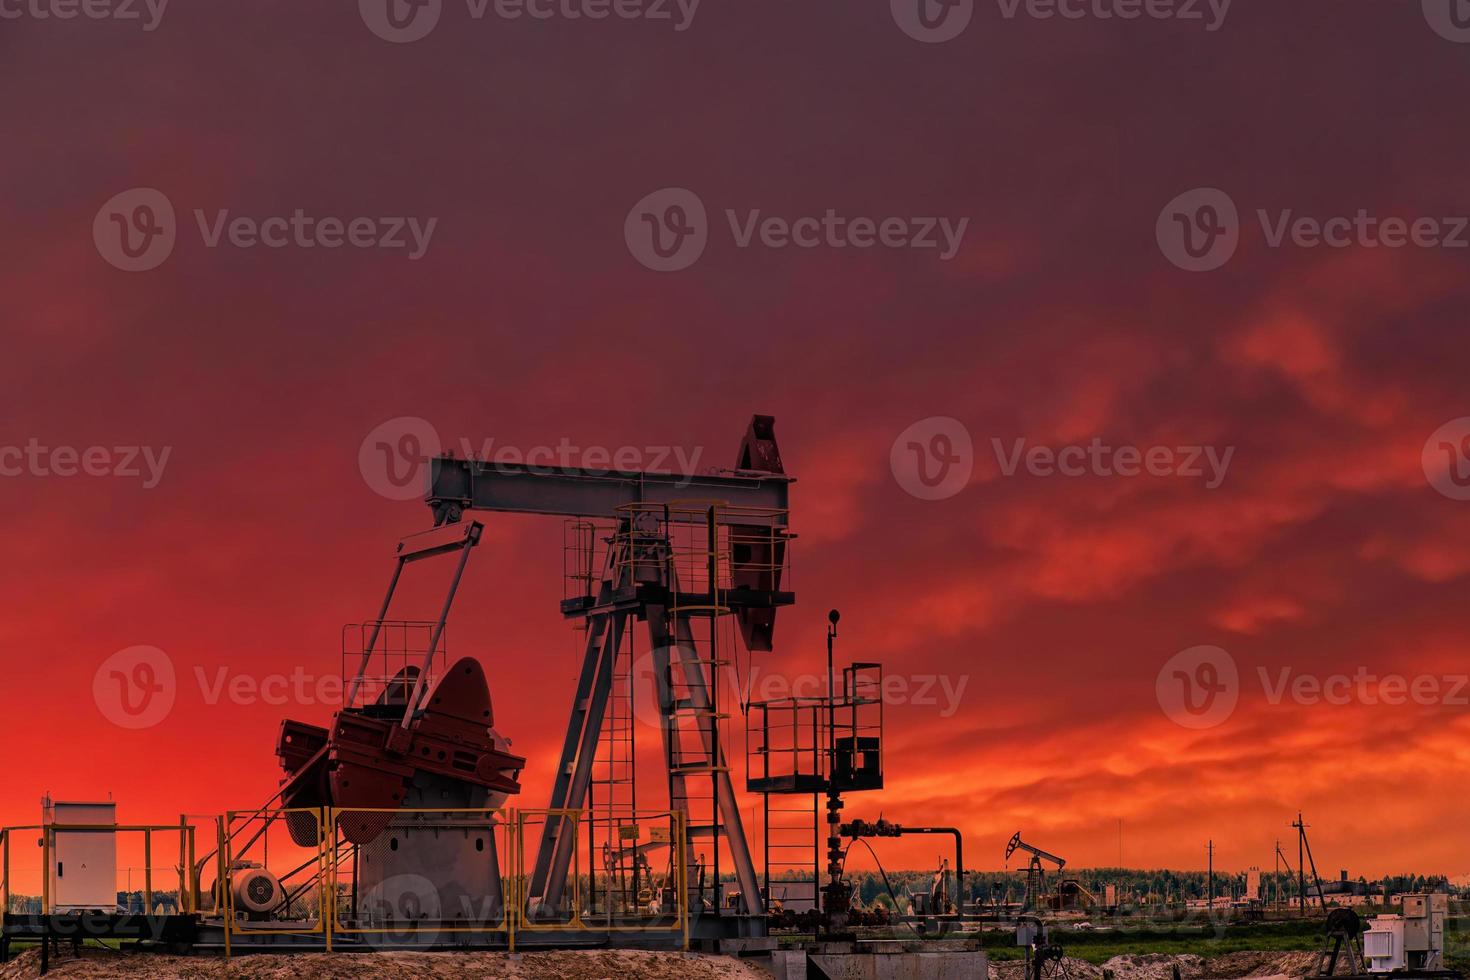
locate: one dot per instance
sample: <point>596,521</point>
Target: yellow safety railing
<point>455,818</point>
<point>5,835</point>
<point>226,832</point>
<point>324,861</point>
<point>187,898</point>
<point>571,820</point>
<point>574,820</point>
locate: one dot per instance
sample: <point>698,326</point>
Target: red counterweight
<point>367,758</point>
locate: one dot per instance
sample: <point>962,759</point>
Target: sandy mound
<point>1248,964</point>
<point>559,965</point>
<point>1073,969</point>
<point>1154,966</point>
<point>1160,966</point>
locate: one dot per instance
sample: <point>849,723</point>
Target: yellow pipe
<point>183,859</point>
<point>193,884</point>
<point>327,901</point>
<point>683,833</point>
<point>147,872</point>
<point>46,877</point>
<point>512,910</point>
<point>222,893</point>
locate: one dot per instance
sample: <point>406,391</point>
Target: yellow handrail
<point>48,845</point>
<point>515,916</point>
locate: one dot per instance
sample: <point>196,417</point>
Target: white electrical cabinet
<point>83,869</point>
<point>1412,940</point>
<point>1383,943</point>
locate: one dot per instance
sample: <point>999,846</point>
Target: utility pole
<point>1276,876</point>
<point>1301,864</point>
<point>1210,895</point>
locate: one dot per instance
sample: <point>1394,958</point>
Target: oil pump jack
<point>683,554</point>
<point>1035,873</point>
<point>682,551</point>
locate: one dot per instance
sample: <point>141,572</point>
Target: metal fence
<point>253,896</point>
<point>407,878</point>
<point>186,901</point>
<point>642,884</point>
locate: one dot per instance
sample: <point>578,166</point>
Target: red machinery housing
<point>367,759</point>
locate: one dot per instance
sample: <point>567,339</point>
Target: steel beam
<point>457,485</point>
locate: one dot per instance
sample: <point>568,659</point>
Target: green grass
<point>18,946</point>
<point>1279,937</point>
<point>1098,953</point>
<point>1101,945</point>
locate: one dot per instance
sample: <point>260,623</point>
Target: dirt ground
<point>1160,966</point>
<point>593,965</point>
<point>560,965</point>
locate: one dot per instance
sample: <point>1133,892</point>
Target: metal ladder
<point>794,841</point>
<point>693,726</point>
<point>612,795</point>
<point>686,677</point>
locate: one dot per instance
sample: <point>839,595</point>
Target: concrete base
<point>789,964</point>
<point>747,947</point>
<point>828,963</point>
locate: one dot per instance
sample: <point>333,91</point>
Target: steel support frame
<point>667,633</point>
<point>574,775</point>
<point>681,642</point>
<point>584,727</point>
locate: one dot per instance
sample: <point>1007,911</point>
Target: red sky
<point>1056,599</point>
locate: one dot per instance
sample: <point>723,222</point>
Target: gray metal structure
<point>639,581</point>
<point>1035,872</point>
<point>457,485</point>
